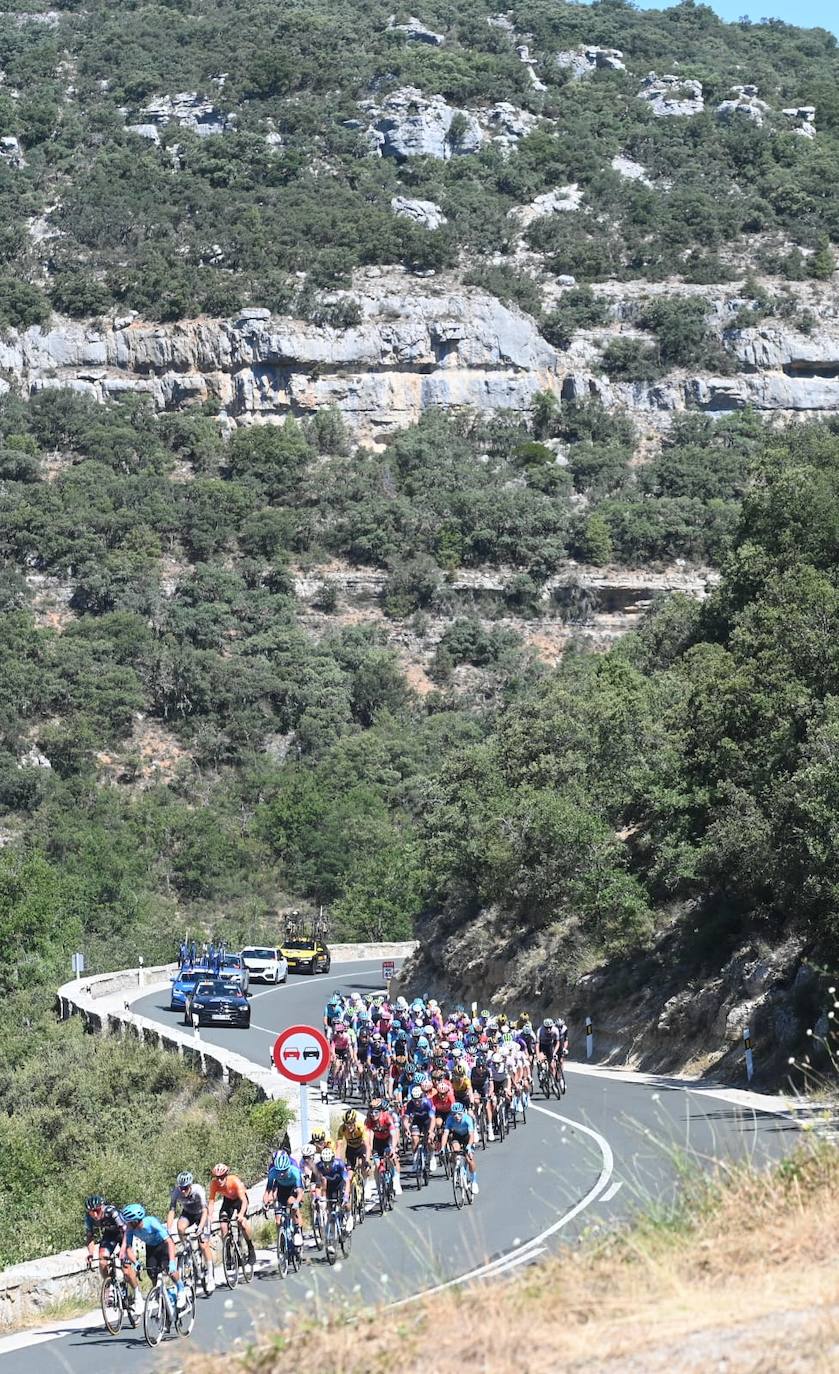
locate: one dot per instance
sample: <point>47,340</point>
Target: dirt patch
<point>150,756</point>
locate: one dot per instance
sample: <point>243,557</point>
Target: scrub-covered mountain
<point>182,158</point>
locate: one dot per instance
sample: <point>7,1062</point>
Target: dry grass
<point>741,1278</point>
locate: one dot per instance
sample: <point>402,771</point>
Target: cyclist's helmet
<point>134,1213</point>
<point>416,1092</point>
<point>422,1043</point>
<point>94,1202</point>
<point>548,1023</point>
<point>419,1078</point>
<point>327,1157</point>
<point>418,1004</point>
<point>480,1059</point>
<point>377,1036</point>
<point>402,1003</point>
<point>185,1180</point>
<point>363,1017</point>
<point>309,1151</point>
<point>282,1162</point>
<point>350,1117</point>
<point>458,1110</point>
<point>318,1137</point>
<point>339,1026</point>
<point>221,1171</point>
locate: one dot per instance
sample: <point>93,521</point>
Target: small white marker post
<point>474,1009</point>
<point>747,1046</point>
<point>304,1113</point>
<point>589,1038</point>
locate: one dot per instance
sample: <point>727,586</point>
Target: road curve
<point>608,1147</point>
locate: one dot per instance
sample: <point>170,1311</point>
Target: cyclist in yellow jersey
<point>353,1142</point>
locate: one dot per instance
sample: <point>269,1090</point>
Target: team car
<point>184,983</point>
<point>309,956</point>
<point>215,1000</point>
<point>234,970</point>
<point>267,964</point>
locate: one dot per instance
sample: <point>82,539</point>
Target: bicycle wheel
<point>458,1186</point>
<point>230,1259</point>
<point>317,1223</point>
<point>331,1238</point>
<point>501,1120</point>
<point>417,1162</point>
<point>294,1255</point>
<point>112,1305</point>
<point>246,1258</point>
<point>544,1080</point>
<point>186,1264</point>
<point>344,1236</point>
<point>154,1316</point>
<point>381,1188</point>
<point>482,1127</point>
<point>282,1252</point>
<point>185,1316</point>
<point>524,1101</point>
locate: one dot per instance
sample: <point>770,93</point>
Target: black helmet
<point>93,1202</point>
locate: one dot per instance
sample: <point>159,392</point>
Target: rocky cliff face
<point>418,344</point>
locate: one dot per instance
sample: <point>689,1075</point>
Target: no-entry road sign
<point>301,1053</point>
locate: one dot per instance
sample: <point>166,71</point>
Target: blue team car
<point>215,1001</point>
<point>184,983</point>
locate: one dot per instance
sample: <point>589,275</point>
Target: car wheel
<point>247,1024</point>
<point>327,966</point>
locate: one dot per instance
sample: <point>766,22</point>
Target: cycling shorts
<point>231,1208</point>
<point>282,1197</point>
<point>157,1260</point>
<point>462,1137</point>
<point>382,1145</point>
<point>342,1052</point>
<point>355,1154</point>
<point>109,1240</point>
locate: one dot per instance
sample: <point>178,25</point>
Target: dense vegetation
<point>206,224</point>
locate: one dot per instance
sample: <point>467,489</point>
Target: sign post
<point>301,1054</point>
<point>78,964</point>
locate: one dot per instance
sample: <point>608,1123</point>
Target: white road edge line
<point>526,1250</point>
<point>615,1188</point>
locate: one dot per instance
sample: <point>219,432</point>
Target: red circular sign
<point>301,1053</point>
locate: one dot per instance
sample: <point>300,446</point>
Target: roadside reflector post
<point>747,1046</point>
<point>589,1038</point>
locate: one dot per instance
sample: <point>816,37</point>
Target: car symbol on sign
<point>311,1054</point>
<point>291,1054</point>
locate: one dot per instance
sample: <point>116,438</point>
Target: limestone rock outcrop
<point>424,212</point>
<point>414,31</point>
<point>408,124</point>
<point>672,97</point>
<point>556,202</point>
<point>582,62</point>
<point>805,120</point>
<point>189,111</point>
<point>745,105</point>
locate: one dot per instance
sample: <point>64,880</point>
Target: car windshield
<point>258,954</point>
<point>217,989</point>
<point>194,976</point>
<point>299,944</point>
<point>232,961</point>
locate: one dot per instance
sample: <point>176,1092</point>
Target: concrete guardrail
<point>104,1000</point>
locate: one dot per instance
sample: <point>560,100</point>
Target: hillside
<point>419,474</point>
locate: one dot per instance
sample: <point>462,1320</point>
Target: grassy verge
<point>740,1275</point>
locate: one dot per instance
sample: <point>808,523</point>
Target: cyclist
<point>284,1189</point>
<point>499,1073</point>
<point>460,1125</point>
<point>192,1200</point>
<point>334,1010</point>
<point>419,1114</point>
<point>442,1097</point>
<point>380,1057</point>
<point>482,1088</point>
<point>105,1220</point>
<point>384,1138</point>
<point>552,1042</point>
<point>461,1083</point>
<point>335,1178</point>
<point>343,1046</point>
<point>160,1252</point>
<point>234,1197</point>
<point>352,1140</point>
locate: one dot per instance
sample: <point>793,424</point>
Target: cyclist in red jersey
<point>384,1131</point>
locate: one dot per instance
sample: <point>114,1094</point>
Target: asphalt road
<point>607,1148</point>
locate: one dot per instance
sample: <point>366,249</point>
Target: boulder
<point>414,31</point>
<point>582,62</point>
<point>745,105</point>
<point>409,124</point>
<point>506,123</point>
<point>556,202</point>
<point>423,212</point>
<point>190,111</point>
<point>11,152</point>
<point>149,131</point>
<point>805,116</point>
<point>523,52</point>
<point>672,97</point>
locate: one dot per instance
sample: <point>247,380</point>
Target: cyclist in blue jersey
<point>419,1113</point>
<point>160,1251</point>
<point>335,1178</point>
<point>284,1188</point>
<point>460,1127</point>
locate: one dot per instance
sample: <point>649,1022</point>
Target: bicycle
<point>545,1077</point>
<point>193,1264</point>
<point>483,1123</point>
<point>461,1182</point>
<point>161,1311</point>
<point>336,1232</point>
<point>288,1252</point>
<point>384,1183</point>
<point>420,1161</point>
<point>317,1220</point>
<point>114,1297</point>
<point>357,1194</point>
<point>236,1256</point>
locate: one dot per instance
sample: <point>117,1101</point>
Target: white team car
<point>267,964</point>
